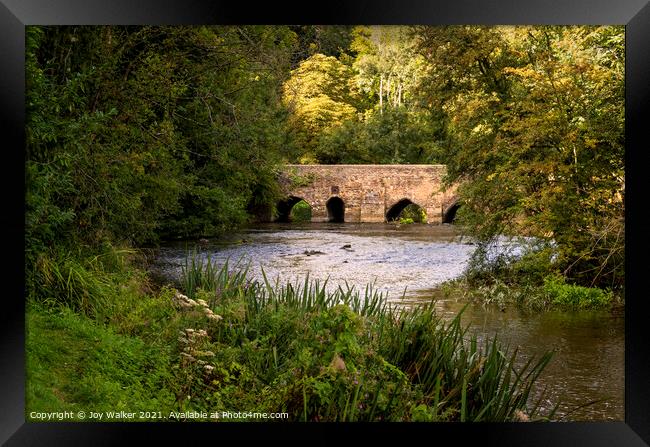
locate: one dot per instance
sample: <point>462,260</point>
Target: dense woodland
<point>140,134</point>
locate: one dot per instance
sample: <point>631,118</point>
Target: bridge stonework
<point>370,191</point>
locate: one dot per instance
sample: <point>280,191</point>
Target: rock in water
<point>312,252</point>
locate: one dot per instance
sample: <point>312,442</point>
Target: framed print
<point>181,164</point>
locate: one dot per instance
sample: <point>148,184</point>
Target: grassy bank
<point>532,282</point>
<point>231,344</point>
<point>553,293</point>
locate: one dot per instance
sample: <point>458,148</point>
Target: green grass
<point>532,282</point>
<point>552,293</point>
<point>74,364</point>
<point>300,348</point>
<point>574,296</point>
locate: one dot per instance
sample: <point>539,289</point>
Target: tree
<point>320,94</point>
<point>387,65</point>
<point>396,136</point>
<point>534,118</point>
<point>134,133</point>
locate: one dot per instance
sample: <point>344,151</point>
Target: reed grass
<point>397,359</point>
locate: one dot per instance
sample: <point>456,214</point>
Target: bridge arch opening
<point>406,209</point>
<point>450,215</point>
<point>293,209</point>
<point>335,210</point>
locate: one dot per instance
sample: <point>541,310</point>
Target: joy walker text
<point>173,415</point>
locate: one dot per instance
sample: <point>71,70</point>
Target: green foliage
<point>334,356</point>
<point>459,381</point>
<point>301,212</point>
<point>85,281</point>
<point>320,94</point>
<point>531,282</point>
<point>75,364</point>
<point>393,137</point>
<point>330,40</point>
<point>570,295</point>
<point>134,132</point>
<point>139,133</point>
<point>413,213</point>
<point>535,133</point>
<point>318,355</point>
<point>387,66</point>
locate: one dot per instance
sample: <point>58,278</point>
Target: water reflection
<point>588,363</point>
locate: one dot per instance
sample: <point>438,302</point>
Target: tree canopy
<point>535,136</point>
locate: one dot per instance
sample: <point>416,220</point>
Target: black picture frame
<point>16,14</point>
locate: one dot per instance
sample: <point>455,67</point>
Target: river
<point>406,263</point>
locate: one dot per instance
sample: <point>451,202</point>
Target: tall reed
<point>455,376</point>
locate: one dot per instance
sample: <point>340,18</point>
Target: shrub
<point>570,295</point>
<point>301,212</point>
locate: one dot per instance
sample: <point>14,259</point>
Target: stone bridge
<point>367,193</point>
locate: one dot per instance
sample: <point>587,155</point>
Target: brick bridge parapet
<point>369,192</point>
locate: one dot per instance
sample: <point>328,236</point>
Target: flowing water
<point>406,263</point>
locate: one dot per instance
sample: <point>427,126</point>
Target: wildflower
<point>188,356</point>
<point>338,363</point>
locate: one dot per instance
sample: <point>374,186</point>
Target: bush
<point>301,212</point>
<point>569,295</point>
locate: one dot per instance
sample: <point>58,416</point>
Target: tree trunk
<point>399,94</point>
<point>388,90</point>
<point>381,94</point>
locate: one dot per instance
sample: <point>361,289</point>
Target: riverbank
<point>260,348</point>
<point>554,294</point>
<point>412,260</point>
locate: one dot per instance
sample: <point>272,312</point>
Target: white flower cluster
<point>185,302</point>
<point>192,339</point>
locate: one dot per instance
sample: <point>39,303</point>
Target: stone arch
<point>335,209</point>
<point>449,212</point>
<point>397,208</point>
<point>285,206</point>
